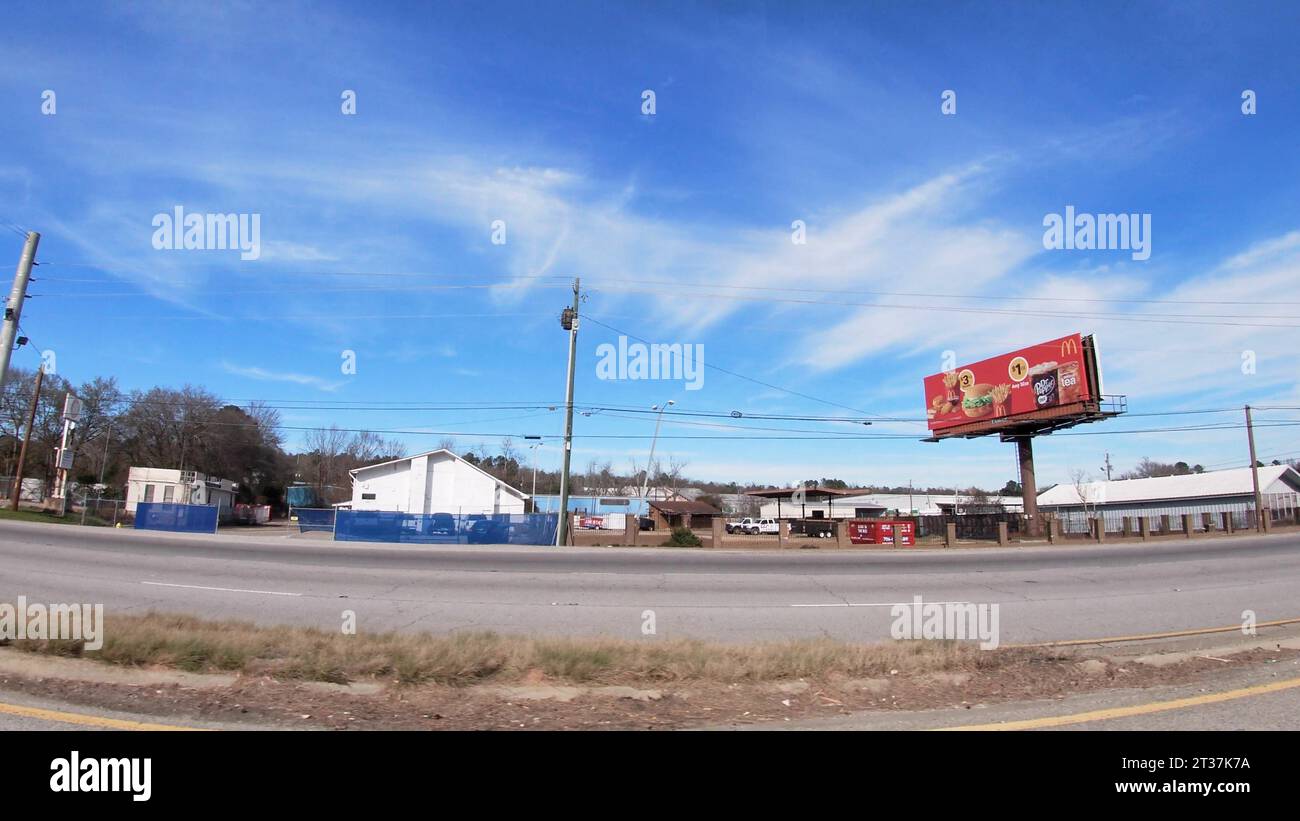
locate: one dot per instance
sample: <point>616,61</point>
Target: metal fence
<point>969,525</point>
<point>34,490</point>
<point>313,518</point>
<point>176,518</point>
<point>110,511</point>
<point>444,528</point>
<point>1169,517</point>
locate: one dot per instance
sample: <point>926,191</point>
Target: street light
<point>533,447</point>
<point>646,481</point>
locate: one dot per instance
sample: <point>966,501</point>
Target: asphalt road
<point>1045,594</point>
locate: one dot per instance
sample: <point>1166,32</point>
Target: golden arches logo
<point>1070,347</point>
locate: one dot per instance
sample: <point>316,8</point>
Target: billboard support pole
<point>1028,484</point>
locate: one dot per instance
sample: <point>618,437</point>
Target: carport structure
<point>800,496</point>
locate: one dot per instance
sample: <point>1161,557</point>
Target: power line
<point>799,394</point>
<point>1177,319</point>
<point>945,295</point>
<point>678,284</point>
<point>313,290</point>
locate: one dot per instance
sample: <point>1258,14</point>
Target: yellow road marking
<point>86,720</point>
<point>1146,636</point>
<point>1135,710</point>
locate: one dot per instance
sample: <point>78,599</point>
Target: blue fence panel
<point>176,518</point>
<point>445,528</point>
<point>313,518</point>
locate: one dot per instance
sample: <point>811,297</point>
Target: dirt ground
<point>536,703</point>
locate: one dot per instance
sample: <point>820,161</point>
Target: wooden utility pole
<point>1254,472</point>
<point>569,321</point>
<point>17,489</point>
<point>14,308</point>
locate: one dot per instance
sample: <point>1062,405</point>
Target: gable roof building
<point>1215,492</point>
<point>436,481</point>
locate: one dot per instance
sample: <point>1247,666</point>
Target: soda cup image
<point>1045,383</point>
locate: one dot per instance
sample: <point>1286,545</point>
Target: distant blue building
<point>593,505</point>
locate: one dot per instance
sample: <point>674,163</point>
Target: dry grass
<point>197,645</point>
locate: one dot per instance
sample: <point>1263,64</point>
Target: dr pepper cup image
<point>1046,385</point>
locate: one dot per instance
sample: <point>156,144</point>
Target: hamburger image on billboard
<point>1039,377</point>
<point>977,401</point>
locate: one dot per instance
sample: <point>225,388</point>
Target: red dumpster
<point>892,532</point>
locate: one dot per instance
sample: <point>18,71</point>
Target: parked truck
<point>754,526</point>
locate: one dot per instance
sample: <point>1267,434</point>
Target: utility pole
<point>103,464</point>
<point>14,308</point>
<point>17,489</point>
<point>568,321</point>
<point>1254,472</point>
<point>1107,466</point>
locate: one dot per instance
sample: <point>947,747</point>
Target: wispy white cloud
<point>264,375</point>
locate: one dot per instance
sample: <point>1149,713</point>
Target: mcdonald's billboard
<point>1054,374</point>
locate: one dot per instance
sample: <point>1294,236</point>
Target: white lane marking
<point>222,589</point>
<point>876,604</point>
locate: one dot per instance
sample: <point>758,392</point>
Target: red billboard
<point>1040,377</point>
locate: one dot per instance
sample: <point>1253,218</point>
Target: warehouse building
<point>824,503</point>
<point>1216,492</point>
<point>438,481</point>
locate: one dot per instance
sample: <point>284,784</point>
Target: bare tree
<point>1083,487</point>
<point>268,422</point>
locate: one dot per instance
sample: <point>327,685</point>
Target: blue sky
<point>765,114</point>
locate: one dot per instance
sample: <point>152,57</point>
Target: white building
<point>1220,491</point>
<point>184,487</point>
<point>874,505</point>
<point>438,481</point>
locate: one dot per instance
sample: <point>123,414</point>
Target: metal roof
<point>807,491</point>
<point>1233,482</point>
<point>673,508</point>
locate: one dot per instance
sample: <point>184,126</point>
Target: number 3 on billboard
<point>966,379</point>
<point>1018,369</point>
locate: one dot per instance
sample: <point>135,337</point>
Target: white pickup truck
<point>753,526</point>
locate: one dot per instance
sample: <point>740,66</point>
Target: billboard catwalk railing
<point>445,528</point>
<point>176,518</point>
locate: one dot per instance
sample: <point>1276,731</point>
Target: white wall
<point>432,483</point>
<point>198,493</point>
<point>389,485</point>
